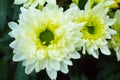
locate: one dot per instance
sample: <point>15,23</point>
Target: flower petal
<point>105,50</point>
<point>75,55</point>
<point>52,74</point>
<point>18,57</point>
<point>64,68</point>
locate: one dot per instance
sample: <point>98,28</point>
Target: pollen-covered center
<point>46,37</point>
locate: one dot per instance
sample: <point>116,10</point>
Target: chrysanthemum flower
<point>116,38</point>
<point>34,3</point>
<point>45,40</point>
<point>96,30</point>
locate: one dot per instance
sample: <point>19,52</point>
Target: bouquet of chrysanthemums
<point>47,35</point>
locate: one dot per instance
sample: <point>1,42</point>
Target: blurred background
<point>86,68</point>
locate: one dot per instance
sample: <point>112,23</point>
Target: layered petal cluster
<point>45,39</point>
<point>96,30</point>
<point>116,38</point>
<point>34,3</point>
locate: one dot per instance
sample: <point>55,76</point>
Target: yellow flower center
<point>93,30</point>
<point>46,37</point>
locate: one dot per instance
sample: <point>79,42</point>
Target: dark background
<point>86,68</point>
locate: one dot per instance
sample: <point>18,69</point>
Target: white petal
<point>107,35</point>
<point>51,2</point>
<point>117,14</point>
<point>24,12</point>
<point>109,2</point>
<point>111,31</point>
<point>28,62</point>
<point>37,68</point>
<point>53,53</point>
<point>64,68</point>
<point>117,53</point>
<point>80,25</point>
<point>105,50</point>
<point>73,5</point>
<point>87,6</point>
<point>19,1</point>
<point>49,64</point>
<point>75,55</point>
<point>110,21</point>
<point>11,34</point>
<point>98,9</point>
<point>13,44</point>
<point>41,65</point>
<point>95,54</point>
<point>41,54</point>
<point>29,68</point>
<point>18,57</point>
<point>41,2</point>
<point>52,74</point>
<point>13,25</point>
<point>92,52</point>
<point>56,65</point>
<point>83,51</point>
<point>68,62</point>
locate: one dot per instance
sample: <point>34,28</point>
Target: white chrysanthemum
<point>45,40</point>
<point>34,3</point>
<point>116,38</point>
<point>96,30</point>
